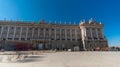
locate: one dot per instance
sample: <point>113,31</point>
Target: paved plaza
<point>68,59</point>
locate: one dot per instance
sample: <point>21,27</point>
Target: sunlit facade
<point>85,36</point>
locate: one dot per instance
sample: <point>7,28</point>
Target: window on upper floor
<point>63,30</point>
<point>68,30</point>
<point>73,30</point>
<point>41,29</point>
<point>87,29</point>
<point>11,28</point>
<point>36,28</point>
<point>53,29</point>
<point>89,35</point>
<point>93,29</point>
<point>5,28</point>
<point>57,29</point>
<point>30,28</point>
<point>47,29</point>
<point>78,31</point>
<point>98,29</point>
<point>18,28</point>
<point>24,28</point>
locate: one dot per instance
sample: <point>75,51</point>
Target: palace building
<point>85,36</point>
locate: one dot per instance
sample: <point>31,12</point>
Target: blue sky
<point>105,11</point>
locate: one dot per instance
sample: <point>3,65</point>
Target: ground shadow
<point>34,56</point>
<point>29,59</point>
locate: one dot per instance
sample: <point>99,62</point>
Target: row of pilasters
<point>85,37</point>
<point>44,33</point>
<point>91,33</point>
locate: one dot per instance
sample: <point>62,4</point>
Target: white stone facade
<point>87,36</point>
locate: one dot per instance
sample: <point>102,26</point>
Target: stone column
<point>38,33</point>
<point>20,33</point>
<point>44,33</point>
<point>97,33</point>
<point>26,33</point>
<point>71,34</point>
<point>65,34</point>
<point>85,34</point>
<point>1,31</point>
<point>102,33</point>
<point>91,33</point>
<point>55,33</point>
<point>44,38</point>
<point>7,33</point>
<point>84,38</point>
<point>60,34</point>
<point>14,32</point>
<point>32,33</point>
<point>84,45</point>
<point>50,35</point>
<point>76,34</point>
